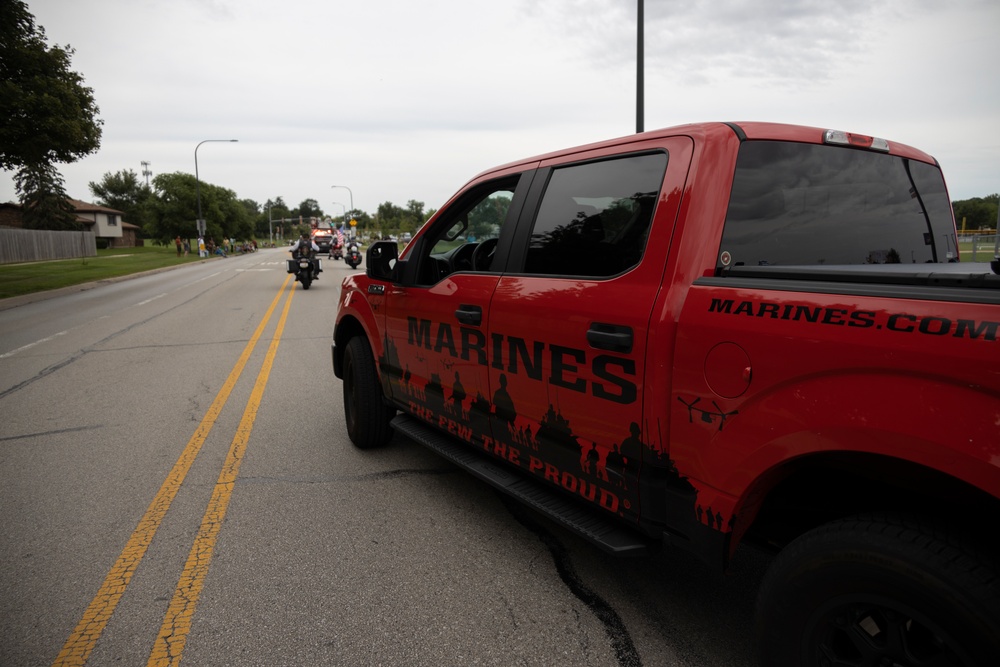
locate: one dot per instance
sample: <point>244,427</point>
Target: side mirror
<point>380,259</point>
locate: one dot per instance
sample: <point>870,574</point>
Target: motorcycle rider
<point>306,247</point>
<point>349,254</point>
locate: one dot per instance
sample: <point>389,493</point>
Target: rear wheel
<point>880,590</point>
<point>365,409</point>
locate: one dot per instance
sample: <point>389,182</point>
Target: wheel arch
<point>347,328</point>
<point>805,492</point>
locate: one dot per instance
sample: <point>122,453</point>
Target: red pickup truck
<point>710,335</point>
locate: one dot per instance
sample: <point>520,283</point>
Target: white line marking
<point>30,345</point>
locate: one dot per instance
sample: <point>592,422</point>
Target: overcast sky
<point>408,99</point>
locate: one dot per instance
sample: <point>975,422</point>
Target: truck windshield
<point>798,204</point>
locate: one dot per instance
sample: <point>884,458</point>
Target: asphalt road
<point>176,484</point>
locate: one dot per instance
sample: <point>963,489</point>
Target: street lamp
<point>348,192</point>
<point>352,203</point>
<point>270,225</point>
<point>639,79</point>
<point>197,181</point>
<point>337,203</point>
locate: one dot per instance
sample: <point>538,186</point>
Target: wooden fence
<point>32,245</point>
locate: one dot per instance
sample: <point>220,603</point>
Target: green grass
<point>984,251</point>
<point>20,279</point>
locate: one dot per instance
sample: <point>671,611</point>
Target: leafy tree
<point>978,212</point>
<point>363,219</point>
<point>238,216</point>
<point>46,205</point>
<point>488,215</point>
<point>389,216</point>
<point>49,116</point>
<point>124,191</point>
<point>309,208</point>
<point>272,212</point>
<point>174,209</point>
<point>414,216</point>
<point>254,215</point>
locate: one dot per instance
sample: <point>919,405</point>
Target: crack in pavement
<point>621,641</point>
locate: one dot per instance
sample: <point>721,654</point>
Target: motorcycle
<point>336,251</point>
<point>305,268</point>
<point>353,256</point>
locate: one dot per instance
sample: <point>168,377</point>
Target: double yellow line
<point>177,623</point>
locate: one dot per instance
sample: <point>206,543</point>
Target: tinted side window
<point>594,218</point>
<point>804,204</point>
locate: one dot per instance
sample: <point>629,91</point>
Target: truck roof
<point>744,130</point>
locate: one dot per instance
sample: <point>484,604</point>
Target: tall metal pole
<point>343,206</point>
<point>348,192</point>
<point>352,201</point>
<point>639,83</point>
<point>197,180</point>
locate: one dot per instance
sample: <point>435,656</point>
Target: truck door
<point>569,320</point>
<point>435,362</point>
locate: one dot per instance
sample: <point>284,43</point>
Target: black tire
<point>365,410</point>
<point>306,282</point>
<point>879,590</point>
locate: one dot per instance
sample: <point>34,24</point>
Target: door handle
<point>472,315</point>
<point>612,337</point>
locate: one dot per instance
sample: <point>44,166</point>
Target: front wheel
<point>365,409</point>
<point>880,590</point>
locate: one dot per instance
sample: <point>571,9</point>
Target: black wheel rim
<point>876,632</point>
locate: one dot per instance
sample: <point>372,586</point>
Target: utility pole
<point>146,172</point>
<point>639,83</point>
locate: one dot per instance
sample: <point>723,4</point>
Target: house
<point>107,225</point>
<point>110,230</point>
<point>10,215</point>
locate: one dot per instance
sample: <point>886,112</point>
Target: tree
<point>271,218</point>
<point>49,116</point>
<point>414,216</point>
<point>46,205</point>
<point>174,209</point>
<point>309,208</point>
<point>124,191</point>
<point>389,216</point>
<point>976,213</point>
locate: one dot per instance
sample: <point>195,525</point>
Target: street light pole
<point>197,180</point>
<point>352,202</point>
<point>337,203</point>
<point>270,225</point>
<point>639,82</point>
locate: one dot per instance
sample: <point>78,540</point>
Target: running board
<point>587,523</point>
